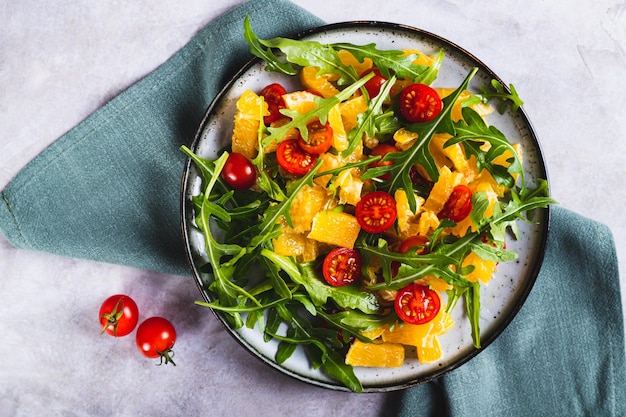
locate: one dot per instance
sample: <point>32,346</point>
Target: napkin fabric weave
<point>108,191</point>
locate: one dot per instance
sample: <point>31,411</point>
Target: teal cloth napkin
<point>108,191</point>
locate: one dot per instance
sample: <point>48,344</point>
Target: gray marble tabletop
<point>62,60</point>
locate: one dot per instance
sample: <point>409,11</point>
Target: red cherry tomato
<point>376,211</point>
<point>418,242</point>
<point>459,204</point>
<point>381,150</point>
<point>420,103</point>
<point>320,138</point>
<point>293,159</point>
<point>417,304</point>
<point>342,266</point>
<point>273,96</point>
<point>118,315</point>
<point>374,84</point>
<point>155,338</point>
<point>239,172</point>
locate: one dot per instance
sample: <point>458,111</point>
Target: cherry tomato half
<point>118,315</point>
<point>239,172</point>
<point>374,84</point>
<point>376,211</point>
<point>320,138</point>
<point>293,159</point>
<point>155,338</point>
<point>420,103</point>
<point>273,96</point>
<point>342,266</point>
<point>381,150</point>
<point>417,304</point>
<point>459,204</point>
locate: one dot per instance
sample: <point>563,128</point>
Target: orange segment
<point>335,228</point>
<point>340,138</point>
<point>306,204</point>
<point>442,189</point>
<point>300,101</point>
<point>430,351</point>
<point>380,355</point>
<point>250,109</point>
<point>350,110</point>
<point>422,58</point>
<point>483,269</point>
<point>318,83</point>
<point>347,58</point>
<point>481,108</point>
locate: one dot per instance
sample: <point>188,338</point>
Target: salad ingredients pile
<point>350,216</point>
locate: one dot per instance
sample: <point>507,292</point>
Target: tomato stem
<point>166,357</point>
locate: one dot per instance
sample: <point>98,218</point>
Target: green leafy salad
<point>351,216</point>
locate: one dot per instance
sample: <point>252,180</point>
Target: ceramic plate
<point>504,295</point>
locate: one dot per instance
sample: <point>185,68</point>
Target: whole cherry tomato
<point>320,138</point>
<point>239,172</point>
<point>417,304</point>
<point>118,315</point>
<point>293,159</point>
<point>273,96</point>
<point>376,211</point>
<point>155,338</point>
<point>342,266</point>
<point>459,204</point>
<point>381,150</point>
<point>374,84</point>
<point>418,242</point>
<point>420,103</point>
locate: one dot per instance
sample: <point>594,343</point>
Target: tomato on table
<point>459,204</point>
<point>376,211</point>
<point>320,138</point>
<point>342,266</point>
<point>293,159</point>
<point>381,150</point>
<point>374,84</point>
<point>420,103</point>
<point>417,304</point>
<point>239,172</point>
<point>273,96</point>
<point>118,315</point>
<point>155,338</point>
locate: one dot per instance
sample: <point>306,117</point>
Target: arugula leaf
<point>472,132</point>
<point>499,92</point>
<point>300,52</point>
<point>273,63</point>
<point>393,62</point>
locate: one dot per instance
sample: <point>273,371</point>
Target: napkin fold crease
<point>108,190</point>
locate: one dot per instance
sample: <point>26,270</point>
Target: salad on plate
<point>350,216</point>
